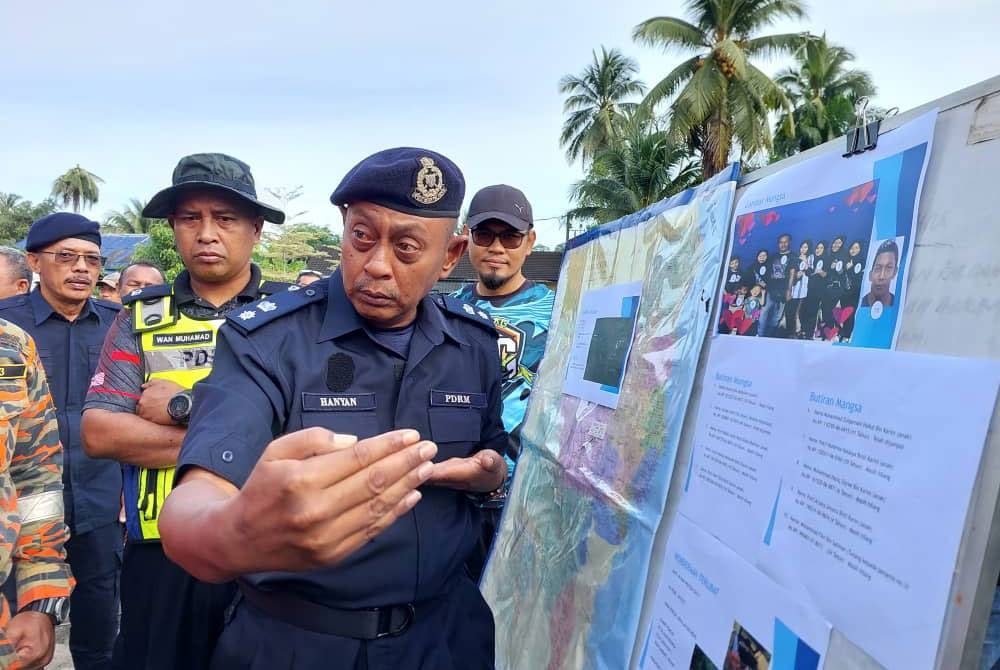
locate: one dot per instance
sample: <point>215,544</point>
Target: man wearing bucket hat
<point>140,398</point>
<point>288,478</point>
<point>68,327</point>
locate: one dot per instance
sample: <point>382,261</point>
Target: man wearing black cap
<point>68,327</point>
<point>288,479</point>
<point>140,399</point>
<point>501,228</point>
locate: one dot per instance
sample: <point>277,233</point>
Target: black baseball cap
<point>502,203</point>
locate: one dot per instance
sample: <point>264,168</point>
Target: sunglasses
<point>510,239</point>
<point>70,258</point>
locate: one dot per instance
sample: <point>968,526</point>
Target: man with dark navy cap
<point>140,399</point>
<point>68,327</point>
<point>347,543</point>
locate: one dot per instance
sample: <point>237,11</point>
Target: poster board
<point>953,308</point>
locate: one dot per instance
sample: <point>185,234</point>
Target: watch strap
<point>56,608</point>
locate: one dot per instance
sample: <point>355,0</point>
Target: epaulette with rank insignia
<point>453,305</point>
<point>255,314</point>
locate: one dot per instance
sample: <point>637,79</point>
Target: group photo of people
<point>800,271</point>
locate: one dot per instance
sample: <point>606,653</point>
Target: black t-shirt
<point>835,272</point>
<point>780,264</point>
<point>758,274</point>
<point>734,279</point>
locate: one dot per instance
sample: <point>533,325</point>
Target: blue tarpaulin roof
<point>117,249</point>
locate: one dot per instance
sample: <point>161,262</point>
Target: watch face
<point>179,407</point>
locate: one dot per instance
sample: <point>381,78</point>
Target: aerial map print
<point>568,570</point>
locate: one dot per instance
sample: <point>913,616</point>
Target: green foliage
<point>129,220</point>
<point>76,188</point>
<point>719,97</point>
<point>823,90</point>
<point>284,252</point>
<point>17,215</point>
<point>644,166</point>
<point>596,103</point>
<point>160,251</point>
<point>317,236</point>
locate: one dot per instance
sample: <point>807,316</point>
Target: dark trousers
<point>811,314</point>
<point>456,633</point>
<point>95,558</point>
<point>477,560</point>
<point>169,619</point>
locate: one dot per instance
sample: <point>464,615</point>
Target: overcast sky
<point>303,90</point>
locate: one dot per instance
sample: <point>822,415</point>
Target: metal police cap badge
<point>430,186</point>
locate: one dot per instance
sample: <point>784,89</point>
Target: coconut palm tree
<point>9,201</point>
<point>823,89</point>
<point>76,188</point>
<point>596,102</point>
<point>644,166</point>
<point>718,94</point>
<point>129,219</point>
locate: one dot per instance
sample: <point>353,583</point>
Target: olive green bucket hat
<point>214,171</point>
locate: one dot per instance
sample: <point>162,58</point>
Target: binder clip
<point>864,135</point>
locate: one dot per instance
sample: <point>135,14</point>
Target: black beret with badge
<point>60,226</point>
<point>405,179</point>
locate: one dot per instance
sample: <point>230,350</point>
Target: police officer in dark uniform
<point>140,399</point>
<point>349,546</point>
<point>68,327</point>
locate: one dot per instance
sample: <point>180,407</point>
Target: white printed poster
<point>846,475</point>
<point>713,610</point>
<point>820,251</point>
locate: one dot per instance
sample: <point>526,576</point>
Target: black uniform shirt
<point>69,351</point>
<point>306,358</point>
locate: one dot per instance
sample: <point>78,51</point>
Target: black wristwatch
<point>179,407</point>
<point>56,608</point>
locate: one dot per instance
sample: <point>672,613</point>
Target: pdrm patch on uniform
<point>457,399</point>
<point>13,371</point>
<point>172,339</point>
<point>337,402</point>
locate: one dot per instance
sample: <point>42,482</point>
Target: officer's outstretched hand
<point>312,499</point>
<point>482,472</point>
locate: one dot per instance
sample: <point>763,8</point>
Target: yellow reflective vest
<point>181,349</point>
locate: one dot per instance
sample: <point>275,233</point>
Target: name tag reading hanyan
<point>13,371</point>
<point>337,402</point>
<point>457,399</point>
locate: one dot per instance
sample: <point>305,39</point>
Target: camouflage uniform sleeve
<point>36,468</point>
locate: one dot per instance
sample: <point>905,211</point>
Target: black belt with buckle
<point>364,624</point>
